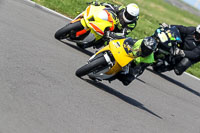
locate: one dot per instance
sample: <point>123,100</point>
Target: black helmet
<point>148,45</point>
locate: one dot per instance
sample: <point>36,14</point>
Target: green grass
<point>152,12</point>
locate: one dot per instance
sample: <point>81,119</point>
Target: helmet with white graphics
<point>198,29</point>
<point>131,13</point>
<point>197,33</point>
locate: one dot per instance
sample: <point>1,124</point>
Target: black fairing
<point>171,41</point>
<point>164,53</point>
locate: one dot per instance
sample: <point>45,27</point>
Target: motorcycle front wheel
<point>91,66</point>
<point>63,32</point>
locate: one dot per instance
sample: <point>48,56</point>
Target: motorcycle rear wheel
<point>91,66</point>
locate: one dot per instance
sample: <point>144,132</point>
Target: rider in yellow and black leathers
<point>126,20</point>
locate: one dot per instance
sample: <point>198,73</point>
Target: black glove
<point>108,34</point>
<point>112,35</point>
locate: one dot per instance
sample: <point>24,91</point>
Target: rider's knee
<point>126,79</point>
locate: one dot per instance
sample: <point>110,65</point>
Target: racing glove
<point>179,52</point>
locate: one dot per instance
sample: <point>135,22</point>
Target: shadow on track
<point>120,96</point>
<point>176,82</point>
<point>89,53</point>
<point>140,80</point>
<point>110,90</point>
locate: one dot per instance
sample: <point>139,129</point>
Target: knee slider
<point>183,65</point>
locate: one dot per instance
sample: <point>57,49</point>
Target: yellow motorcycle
<point>107,62</point>
<point>94,20</point>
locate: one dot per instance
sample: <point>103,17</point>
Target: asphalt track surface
<point>39,92</point>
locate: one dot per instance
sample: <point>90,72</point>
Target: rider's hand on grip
<point>179,52</point>
<point>109,35</point>
<point>164,25</point>
<point>112,35</point>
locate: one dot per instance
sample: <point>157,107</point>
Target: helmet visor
<point>145,51</point>
<point>130,17</point>
<point>197,36</point>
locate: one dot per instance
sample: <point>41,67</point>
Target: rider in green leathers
<point>143,51</point>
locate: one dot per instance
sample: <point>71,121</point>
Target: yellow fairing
<point>122,54</point>
<point>93,21</point>
<point>106,48</point>
<point>115,69</point>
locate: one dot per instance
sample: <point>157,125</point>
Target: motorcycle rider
<point>190,47</point>
<point>143,51</point>
<point>126,20</point>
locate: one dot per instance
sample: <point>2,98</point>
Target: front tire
<point>63,32</point>
<point>91,66</point>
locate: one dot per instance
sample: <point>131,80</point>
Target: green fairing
<point>148,59</point>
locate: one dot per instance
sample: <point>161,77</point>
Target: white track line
<point>191,75</point>
<point>46,9</point>
<point>58,14</point>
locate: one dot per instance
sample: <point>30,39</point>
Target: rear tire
<point>91,66</point>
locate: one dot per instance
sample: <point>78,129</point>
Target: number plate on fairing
<point>163,37</point>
